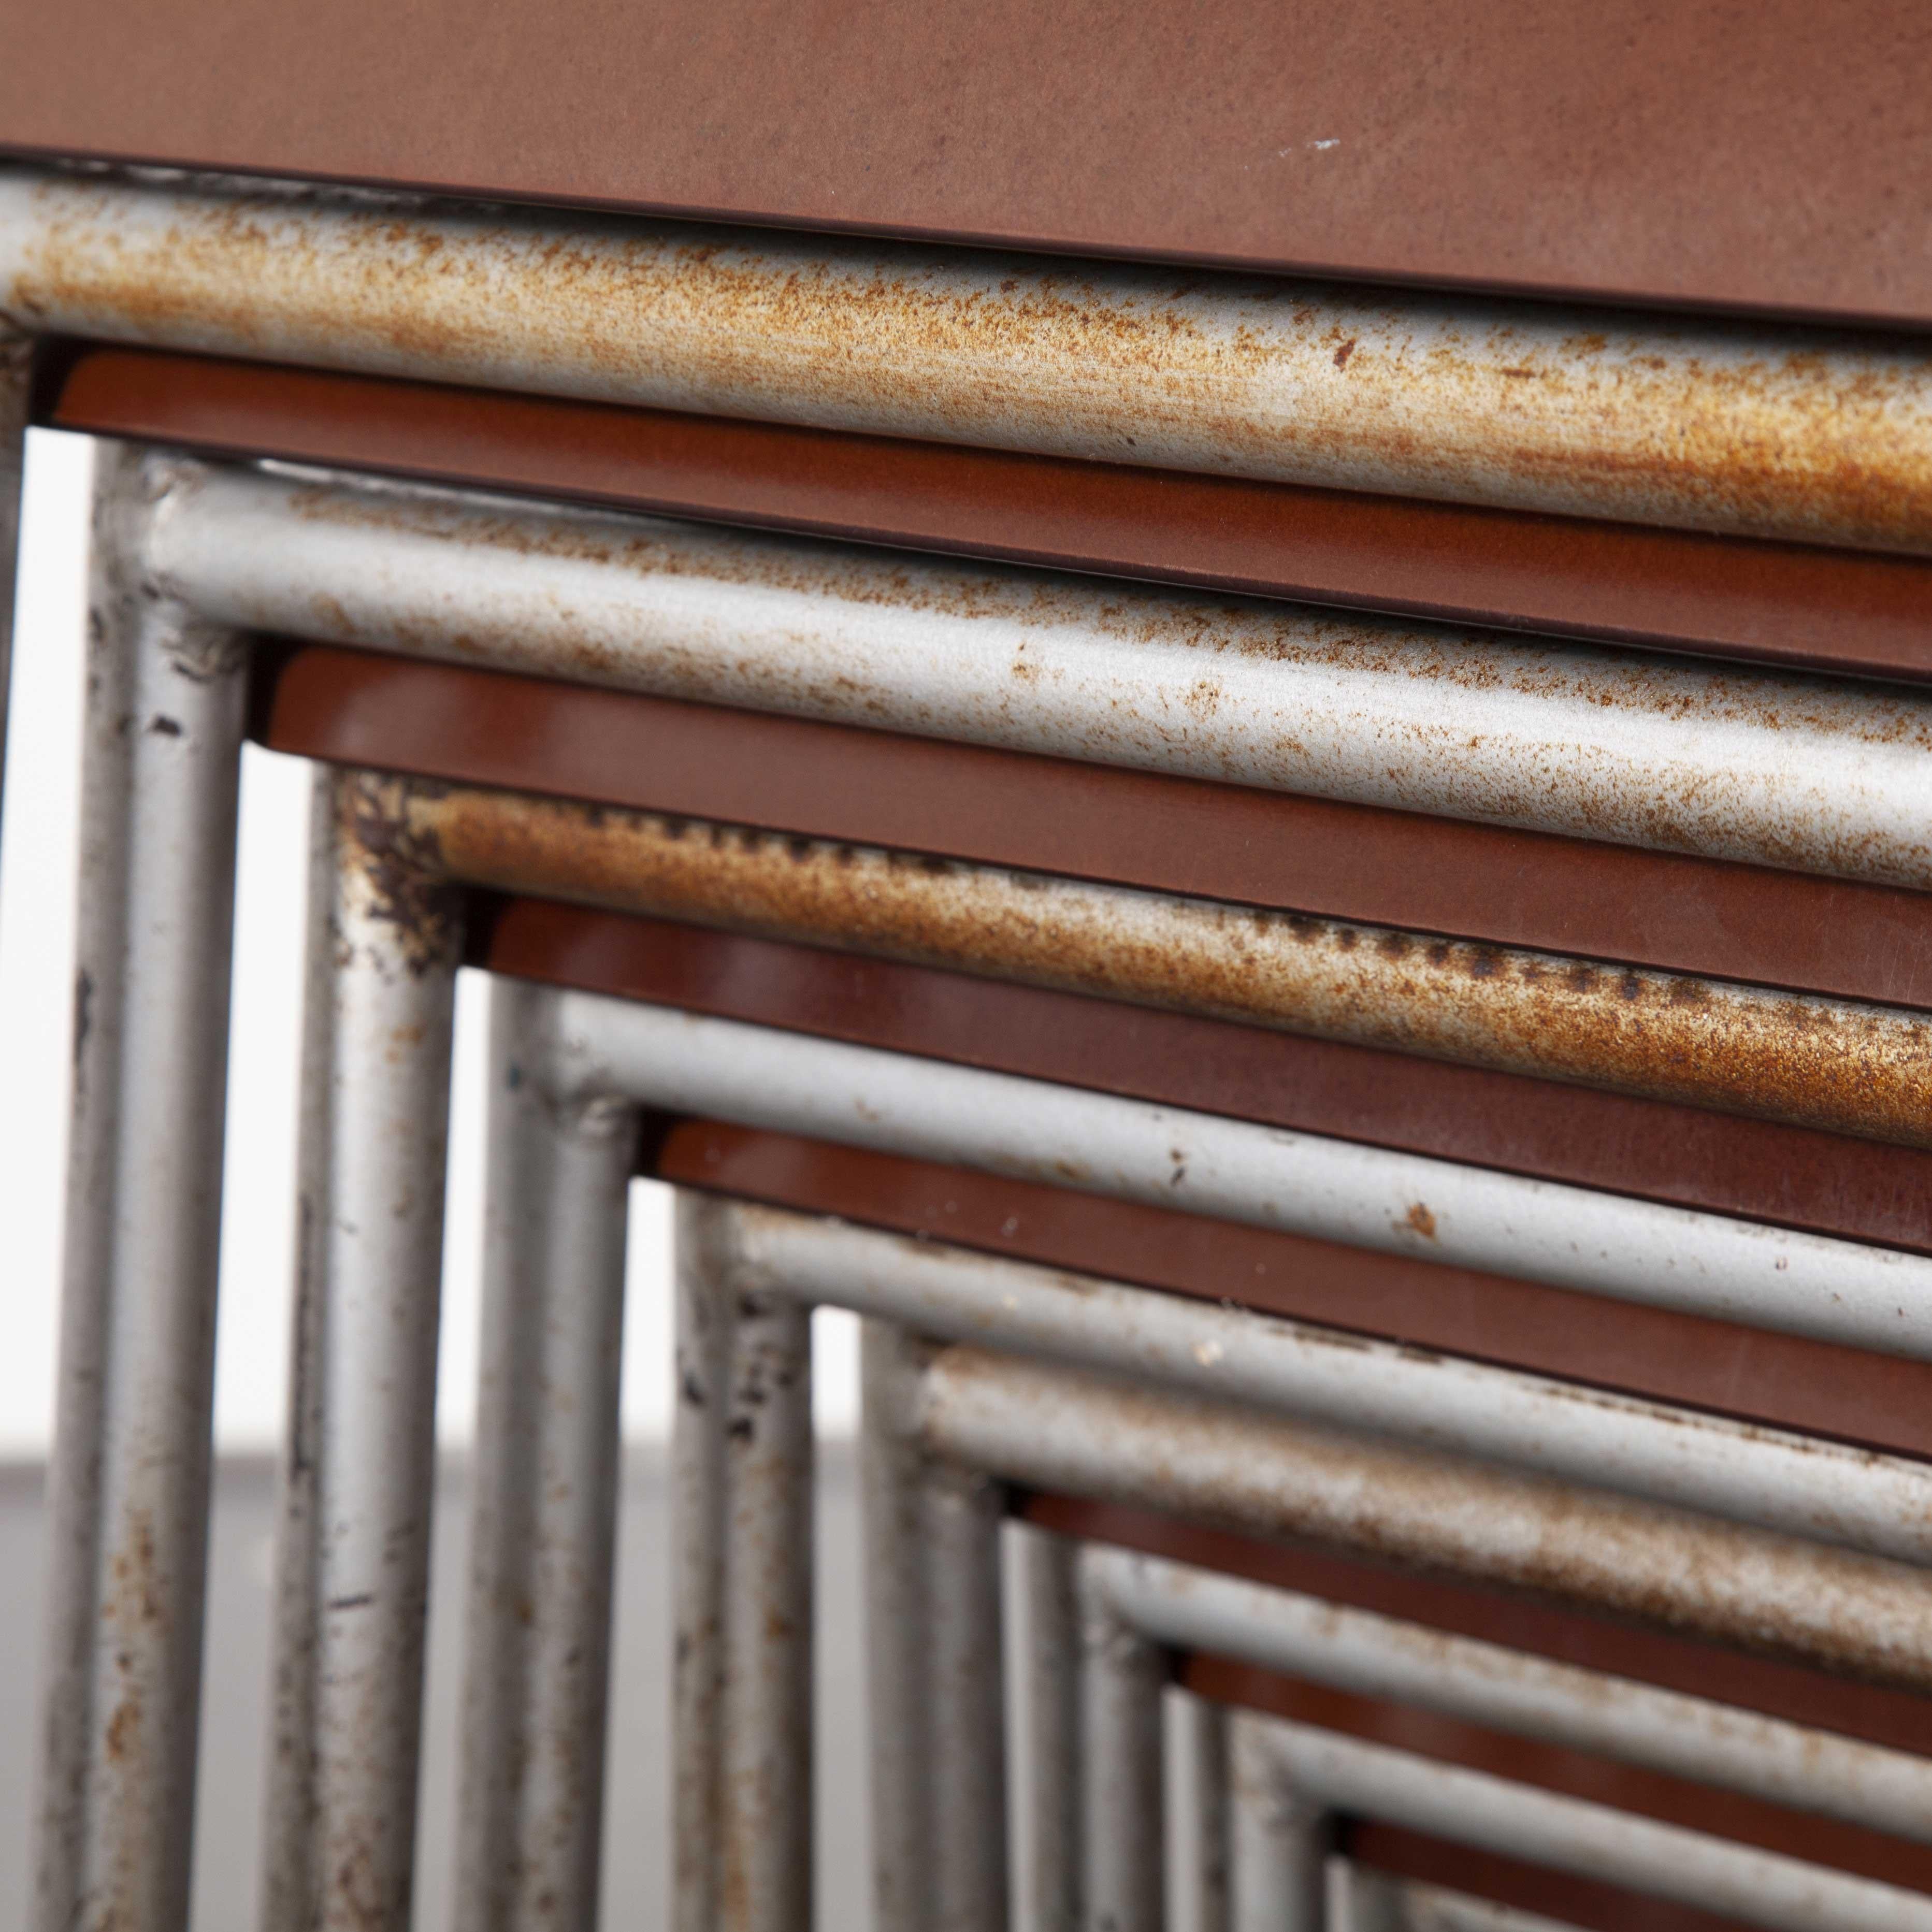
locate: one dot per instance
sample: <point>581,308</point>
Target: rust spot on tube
<point>401,865</point>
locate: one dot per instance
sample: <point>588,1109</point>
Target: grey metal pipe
<point>1117,1442</point>
<point>127,1491</point>
<point>1766,430</point>
<point>744,1450</point>
<point>1610,1244</point>
<point>1123,1878</point>
<point>1801,772</point>
<point>1800,1484</point>
<point>1194,1748</point>
<point>1360,1651</point>
<point>544,1492</point>
<point>1042,1626</point>
<point>932,1632</point>
<point>703,1260</point>
<point>1470,1807</point>
<point>358,1479</point>
<point>1278,1838</point>
<point>1846,1066</point>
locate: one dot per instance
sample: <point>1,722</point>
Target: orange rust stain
<point>1420,1220</point>
<point>121,1729</point>
<point>1849,1068</point>
<point>1767,432</point>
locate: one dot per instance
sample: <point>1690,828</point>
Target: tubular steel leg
<point>1042,1663</point>
<point>543,1530</point>
<point>1197,1813</point>
<point>933,1634</point>
<point>1122,1676</point>
<point>744,1452</point>
<point>1277,1844</point>
<point>704,1258</point>
<point>357,1486</point>
<point>128,1489</point>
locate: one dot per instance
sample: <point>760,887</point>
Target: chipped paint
<point>1760,430</point>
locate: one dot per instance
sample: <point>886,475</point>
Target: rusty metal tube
<point>1780,770</point>
<point>1278,1839</point>
<point>1800,1484</point>
<point>1042,1632</point>
<point>1472,1808</point>
<point>128,1488</point>
<point>744,1452</point>
<point>933,1639</point>
<point>544,1504</point>
<point>1846,1066</point>
<point>358,1484</point>
<point>1123,1877</point>
<point>1369,1197</point>
<point>1764,430</point>
<point>1260,1474</point>
<point>1362,1651</point>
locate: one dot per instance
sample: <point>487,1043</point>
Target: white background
<point>37,893</point>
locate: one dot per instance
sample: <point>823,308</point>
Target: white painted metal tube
<point>1041,1650</point>
<point>1260,1474</point>
<point>1368,1197</point>
<point>127,1491</point>
<point>701,1259</point>
<point>1770,431</point>
<point>744,1448</point>
<point>1122,1881</point>
<point>1803,1485</point>
<point>359,1481</point>
<point>933,1641</point>
<point>1785,770</point>
<point>1362,1651</point>
<point>543,1524</point>
<point>1470,1807</point>
<point>1194,1748</point>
